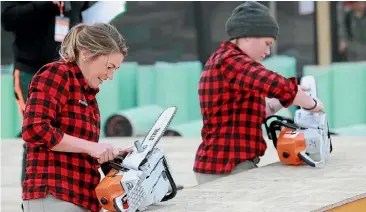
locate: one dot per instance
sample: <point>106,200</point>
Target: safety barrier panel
<point>340,86</point>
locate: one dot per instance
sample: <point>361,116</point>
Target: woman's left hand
<point>124,152</point>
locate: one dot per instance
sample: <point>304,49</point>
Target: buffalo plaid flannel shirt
<point>59,102</point>
<point>232,92</point>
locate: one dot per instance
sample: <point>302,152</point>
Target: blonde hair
<point>98,38</point>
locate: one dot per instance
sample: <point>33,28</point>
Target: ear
<point>85,54</point>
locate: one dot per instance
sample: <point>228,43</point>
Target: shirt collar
<point>229,45</point>
<point>79,75</point>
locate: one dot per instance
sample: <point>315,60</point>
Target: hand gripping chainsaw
<point>142,178</point>
<point>306,139</point>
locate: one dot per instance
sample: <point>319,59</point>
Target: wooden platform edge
<point>341,203</point>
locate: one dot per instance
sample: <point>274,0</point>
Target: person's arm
<point>15,14</point>
<point>272,107</point>
<point>343,21</point>
<point>248,75</point>
<point>48,93</point>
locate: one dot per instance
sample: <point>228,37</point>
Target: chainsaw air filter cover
<point>316,133</point>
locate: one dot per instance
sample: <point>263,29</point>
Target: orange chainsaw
<point>304,139</point>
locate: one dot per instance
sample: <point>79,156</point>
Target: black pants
<point>22,76</point>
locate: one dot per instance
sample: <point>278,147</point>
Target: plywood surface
<point>273,187</point>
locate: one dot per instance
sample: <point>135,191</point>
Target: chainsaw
<point>306,138</point>
<point>142,178</point>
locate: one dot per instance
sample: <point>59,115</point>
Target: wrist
<point>274,105</point>
<point>313,107</point>
<point>87,147</point>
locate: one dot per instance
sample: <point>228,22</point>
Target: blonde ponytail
<point>98,38</point>
<point>69,47</point>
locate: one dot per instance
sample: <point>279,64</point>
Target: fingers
<point>115,153</point>
<point>109,153</point>
<point>304,88</point>
<point>124,152</point>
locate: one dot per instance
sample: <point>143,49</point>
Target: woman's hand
<point>319,106</point>
<point>106,152</point>
<point>124,152</point>
<point>102,152</point>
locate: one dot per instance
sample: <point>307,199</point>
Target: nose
<point>268,52</point>
<point>110,75</point>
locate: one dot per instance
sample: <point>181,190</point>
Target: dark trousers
<point>22,79</point>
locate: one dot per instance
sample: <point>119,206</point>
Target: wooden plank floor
<point>272,187</point>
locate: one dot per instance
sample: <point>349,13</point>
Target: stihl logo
<point>152,137</point>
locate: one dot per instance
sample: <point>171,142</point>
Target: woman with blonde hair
<point>61,123</point>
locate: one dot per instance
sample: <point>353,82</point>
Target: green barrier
<point>108,100</point>
<point>9,108</point>
<point>348,94</point>
<point>132,122</point>
<point>193,73</point>
<point>126,78</point>
<point>172,89</point>
<point>323,78</point>
<point>284,65</point>
<point>119,93</point>
<point>354,130</point>
<point>145,85</point>
<point>18,121</point>
<point>190,129</point>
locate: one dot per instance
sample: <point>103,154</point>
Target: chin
<point>94,86</point>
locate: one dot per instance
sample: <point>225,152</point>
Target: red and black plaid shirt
<point>59,102</point>
<point>232,92</point>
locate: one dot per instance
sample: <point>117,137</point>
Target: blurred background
<point>170,41</point>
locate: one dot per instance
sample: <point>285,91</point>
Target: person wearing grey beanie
<point>252,20</point>
<point>232,91</point>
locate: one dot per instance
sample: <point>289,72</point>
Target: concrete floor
<point>272,187</point>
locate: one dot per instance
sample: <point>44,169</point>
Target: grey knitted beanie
<point>251,19</point>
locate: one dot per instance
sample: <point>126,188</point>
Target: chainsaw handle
<point>174,192</point>
<point>276,126</point>
<point>280,119</point>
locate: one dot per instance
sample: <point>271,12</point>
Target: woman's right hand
<point>103,152</point>
<point>319,106</point>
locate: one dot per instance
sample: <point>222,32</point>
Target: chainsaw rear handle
<point>174,191</point>
<point>269,129</point>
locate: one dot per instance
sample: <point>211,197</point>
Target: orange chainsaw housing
<point>109,189</point>
<point>289,144</point>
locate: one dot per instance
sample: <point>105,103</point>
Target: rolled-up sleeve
<point>48,93</point>
<point>245,74</point>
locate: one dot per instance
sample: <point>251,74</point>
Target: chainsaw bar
<point>137,157</point>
